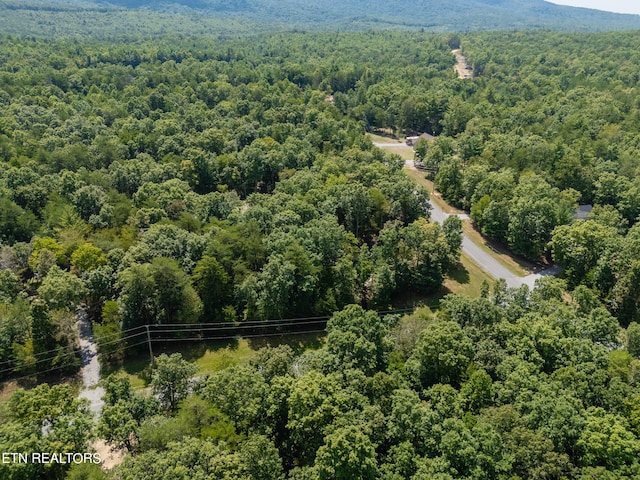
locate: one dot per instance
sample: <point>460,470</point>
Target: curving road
<point>481,257</point>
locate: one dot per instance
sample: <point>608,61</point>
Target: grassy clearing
<point>220,357</point>
<point>516,265</point>
<point>212,356</point>
<point>217,356</point>
<point>133,368</point>
<point>207,358</point>
<point>405,152</point>
<point>7,390</point>
<point>467,278</point>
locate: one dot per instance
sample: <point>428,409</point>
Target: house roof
<point>583,211</point>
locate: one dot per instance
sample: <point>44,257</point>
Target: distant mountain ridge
<point>244,16</point>
<point>534,12</point>
<point>501,13</point>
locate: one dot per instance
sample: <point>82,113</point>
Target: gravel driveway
<point>90,366</point>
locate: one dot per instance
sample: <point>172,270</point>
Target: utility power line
<point>55,349</point>
<point>178,340</point>
<point>73,352</point>
<point>178,328</point>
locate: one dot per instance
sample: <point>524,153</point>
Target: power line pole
<point>149,341</point>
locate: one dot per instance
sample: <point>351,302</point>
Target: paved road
<point>476,253</point>
<point>90,365</point>
<point>487,262</point>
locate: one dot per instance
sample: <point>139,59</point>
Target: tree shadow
<point>384,132</point>
<point>412,299</point>
<point>193,351</point>
<point>459,274</point>
<point>51,379</point>
<point>502,249</point>
<point>298,342</point>
<point>132,364</point>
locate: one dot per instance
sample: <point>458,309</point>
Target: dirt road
<point>462,67</point>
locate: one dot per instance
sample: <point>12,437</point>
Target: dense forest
<point>194,180</point>
<point>192,184</point>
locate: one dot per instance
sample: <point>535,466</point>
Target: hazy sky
<point>619,6</point>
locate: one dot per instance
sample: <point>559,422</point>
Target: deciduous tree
<point>171,379</point>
